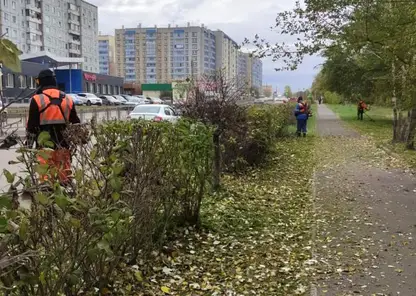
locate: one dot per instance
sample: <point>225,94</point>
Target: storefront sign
<point>90,77</point>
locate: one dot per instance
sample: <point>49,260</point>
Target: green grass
<point>377,123</point>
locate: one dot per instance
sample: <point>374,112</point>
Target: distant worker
<point>51,110</point>
<point>361,108</point>
<point>302,114</point>
<point>320,100</point>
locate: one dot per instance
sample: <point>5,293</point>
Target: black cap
<point>45,73</point>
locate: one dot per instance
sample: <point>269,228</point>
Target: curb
<point>313,289</point>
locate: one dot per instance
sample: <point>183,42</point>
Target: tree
<point>255,92</point>
<point>288,91</point>
<point>363,31</point>
<point>212,99</point>
<point>9,55</point>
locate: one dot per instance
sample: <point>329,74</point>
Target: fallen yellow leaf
<point>165,289</point>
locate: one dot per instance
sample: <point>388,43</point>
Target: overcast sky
<point>237,18</point>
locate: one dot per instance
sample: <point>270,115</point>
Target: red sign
<point>90,77</point>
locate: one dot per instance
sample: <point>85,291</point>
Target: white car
<point>131,100</point>
<point>90,99</point>
<point>142,99</point>
<point>281,100</point>
<point>154,112</point>
<point>155,101</point>
<point>120,98</point>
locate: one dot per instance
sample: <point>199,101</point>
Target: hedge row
<point>136,181</point>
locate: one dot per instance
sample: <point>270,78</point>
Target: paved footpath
<point>366,211</point>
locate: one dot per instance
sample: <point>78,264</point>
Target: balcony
<point>73,21</point>
<point>75,51</point>
<point>36,42</point>
<point>74,11</point>
<point>35,19</point>
<point>74,32</point>
<point>34,7</point>
<point>34,31</point>
<point>76,42</point>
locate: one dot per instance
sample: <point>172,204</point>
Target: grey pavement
<point>330,125</point>
<point>366,211</point>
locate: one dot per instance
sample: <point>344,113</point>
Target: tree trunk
<point>395,125</point>
<point>410,137</point>
<point>217,160</point>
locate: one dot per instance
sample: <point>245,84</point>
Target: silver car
<point>154,112</point>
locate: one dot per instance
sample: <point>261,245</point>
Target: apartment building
<point>163,55</point>
<point>226,54</point>
<point>249,70</point>
<point>106,54</point>
<point>65,28</point>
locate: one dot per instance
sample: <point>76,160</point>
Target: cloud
<point>237,18</point>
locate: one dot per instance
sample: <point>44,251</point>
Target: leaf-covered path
<point>366,211</point>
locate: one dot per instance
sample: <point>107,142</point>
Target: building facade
<point>226,54</point>
<point>106,54</point>
<point>22,85</point>
<point>249,70</point>
<point>67,28</point>
<point>256,72</point>
<point>163,55</point>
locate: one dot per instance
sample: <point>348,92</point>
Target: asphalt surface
<point>330,125</point>
<point>366,210</point>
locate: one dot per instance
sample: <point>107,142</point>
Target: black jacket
<point>33,128</point>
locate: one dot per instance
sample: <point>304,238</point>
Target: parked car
<point>155,100</point>
<point>109,100</point>
<point>4,112</point>
<point>154,112</point>
<point>281,100</point>
<point>142,99</point>
<point>91,99</point>
<point>131,101</point>
<point>120,98</point>
<point>77,100</point>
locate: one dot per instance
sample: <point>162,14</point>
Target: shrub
<point>251,144</point>
<point>332,98</point>
<point>135,182</point>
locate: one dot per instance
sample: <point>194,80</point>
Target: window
<point>10,81</point>
<point>22,81</point>
<point>5,3</point>
<point>14,4</point>
<point>14,19</point>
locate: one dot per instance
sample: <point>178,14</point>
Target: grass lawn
<point>380,127</point>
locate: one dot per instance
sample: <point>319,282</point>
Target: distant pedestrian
<point>320,100</point>
<point>302,114</point>
<point>361,108</point>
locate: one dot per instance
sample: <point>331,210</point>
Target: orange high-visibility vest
<point>54,107</point>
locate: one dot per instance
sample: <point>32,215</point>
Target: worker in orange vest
<point>361,107</point>
<point>51,110</point>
